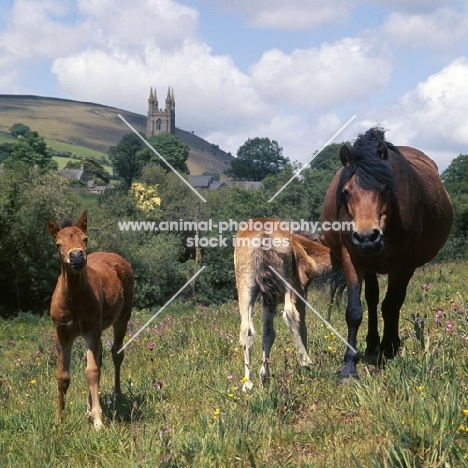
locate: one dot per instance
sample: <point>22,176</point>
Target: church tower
<point>160,120</point>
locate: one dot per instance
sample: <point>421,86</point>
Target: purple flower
<point>449,324</point>
<point>439,315</point>
<point>426,287</point>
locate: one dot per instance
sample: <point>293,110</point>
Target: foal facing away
<point>299,261</point>
<point>93,292</point>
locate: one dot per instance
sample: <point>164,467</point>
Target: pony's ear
<point>83,222</point>
<point>382,150</point>
<point>52,227</point>
<point>345,155</point>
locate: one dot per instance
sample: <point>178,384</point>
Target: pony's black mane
<point>371,171</point>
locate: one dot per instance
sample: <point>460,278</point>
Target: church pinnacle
<point>160,120</point>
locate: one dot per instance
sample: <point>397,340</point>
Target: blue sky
<point>292,71</point>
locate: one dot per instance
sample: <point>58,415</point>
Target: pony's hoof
<point>345,381</point>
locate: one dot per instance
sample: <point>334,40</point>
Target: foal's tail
<point>282,259</point>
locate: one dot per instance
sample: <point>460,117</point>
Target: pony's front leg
<point>93,374</point>
<point>63,344</point>
<point>372,299</point>
<point>353,317</point>
<point>391,306</point>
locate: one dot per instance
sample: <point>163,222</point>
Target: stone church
<point>160,120</point>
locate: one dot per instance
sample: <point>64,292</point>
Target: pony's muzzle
<point>76,258</point>
<point>371,242</point>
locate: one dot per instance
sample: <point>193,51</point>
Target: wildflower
<point>244,379</point>
<point>465,412</point>
<point>287,350</point>
<point>150,346</point>
<point>449,324</point>
<point>427,287</point>
<point>439,315</point>
<point>420,389</point>
<point>230,378</point>
<point>33,382</point>
<point>463,428</point>
<point>234,389</point>
<point>231,395</point>
<point>216,413</point>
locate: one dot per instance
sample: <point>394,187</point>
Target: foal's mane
<point>371,171</point>
<point>65,222</point>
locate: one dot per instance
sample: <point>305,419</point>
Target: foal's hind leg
<point>268,338</point>
<point>93,374</point>
<point>294,316</point>
<point>63,344</point>
<point>120,330</point>
<point>247,296</point>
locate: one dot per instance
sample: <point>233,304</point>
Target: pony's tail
<point>281,258</point>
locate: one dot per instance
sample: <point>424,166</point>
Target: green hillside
<point>91,129</point>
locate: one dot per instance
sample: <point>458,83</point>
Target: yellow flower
<point>463,428</point>
<point>216,413</point>
<point>231,395</point>
<point>287,350</point>
<point>420,389</point>
<point>33,382</point>
<point>235,389</point>
<point>465,412</point>
<point>244,379</point>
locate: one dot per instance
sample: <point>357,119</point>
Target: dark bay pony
<point>93,292</point>
<point>402,217</point>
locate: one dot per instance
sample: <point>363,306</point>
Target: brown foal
<point>93,292</point>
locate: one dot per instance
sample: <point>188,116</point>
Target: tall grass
<point>182,404</point>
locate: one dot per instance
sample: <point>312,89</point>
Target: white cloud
<point>441,28</point>
<point>290,15</point>
<point>433,116</point>
<point>319,78</point>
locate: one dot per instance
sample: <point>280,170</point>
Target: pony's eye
<point>345,194</point>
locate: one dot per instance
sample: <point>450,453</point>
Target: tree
<point>126,158</point>
<point>257,158</point>
<point>455,179</point>
<point>174,151</point>
<point>94,169</point>
<point>19,129</point>
<point>28,261</point>
<point>31,149</point>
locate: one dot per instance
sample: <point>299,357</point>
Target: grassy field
<point>182,404</point>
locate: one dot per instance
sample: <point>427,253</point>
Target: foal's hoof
<point>247,386</point>
<point>98,425</point>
